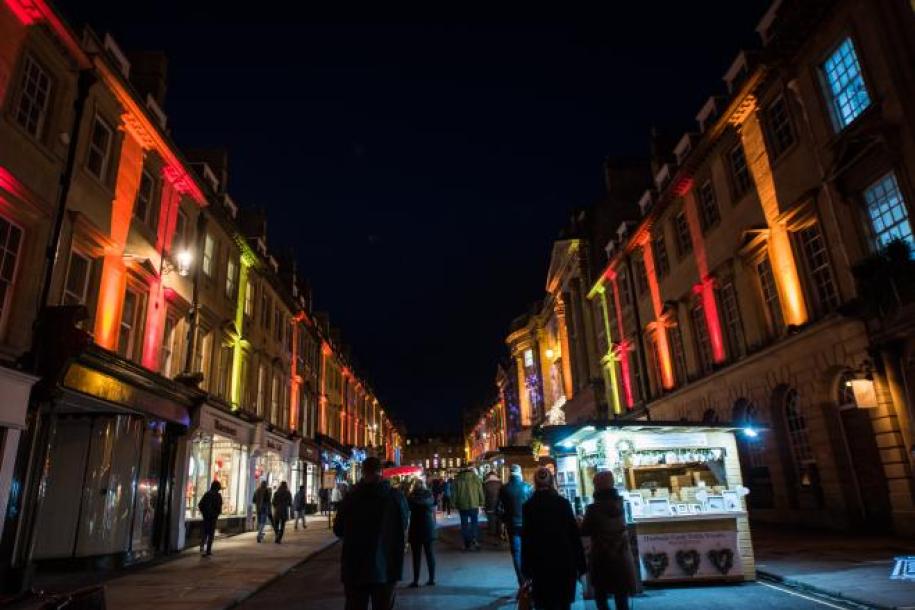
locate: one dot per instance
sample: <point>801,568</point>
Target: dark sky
<point>421,164</point>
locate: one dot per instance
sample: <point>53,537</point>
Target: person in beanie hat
<point>210,507</point>
<point>552,555</point>
<point>511,500</point>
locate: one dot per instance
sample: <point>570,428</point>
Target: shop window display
<point>216,458</point>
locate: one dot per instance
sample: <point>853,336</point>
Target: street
<point>485,581</point>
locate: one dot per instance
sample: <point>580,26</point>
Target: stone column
<point>559,309</point>
<point>524,397</point>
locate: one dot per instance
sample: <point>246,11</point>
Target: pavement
<point>846,566</point>
<point>237,569</point>
<point>485,581</point>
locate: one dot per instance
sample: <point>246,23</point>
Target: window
<point>277,324</point>
<point>740,173</point>
<point>887,211</point>
<point>819,270</point>
<point>10,240</point>
<point>209,251</point>
<point>844,83</point>
<point>130,324</point>
<point>34,98</point>
<point>701,337</point>
<point>169,342</point>
<point>261,390</point>
<point>708,206</point>
<point>180,238</point>
<point>202,355</point>
<point>224,373</point>
<point>79,270</point>
<point>265,310</point>
<point>144,205</point>
<point>798,434</point>
<point>733,327</point>
<point>681,230</point>
<point>249,300</point>
<point>679,354</point>
<point>662,264</point>
<point>778,127</point>
<point>275,400</point>
<point>231,277</point>
<point>99,149</point>
<point>770,296</point>
<point>641,276</point>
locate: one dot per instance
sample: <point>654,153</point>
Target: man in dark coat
<point>282,504</point>
<point>552,555</point>
<point>262,507</point>
<point>512,497</point>
<point>298,506</point>
<point>210,507</point>
<point>611,564</point>
<point>422,530</point>
<point>372,521</point>
<point>491,489</point>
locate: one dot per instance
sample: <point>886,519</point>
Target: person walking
<point>262,508</point>
<point>210,507</point>
<point>468,498</point>
<point>447,491</point>
<point>336,496</point>
<point>437,488</point>
<point>611,564</point>
<point>324,499</point>
<point>298,505</point>
<point>422,530</point>
<point>372,521</point>
<point>552,555</point>
<point>282,503</point>
<point>491,489</point>
<point>512,497</point>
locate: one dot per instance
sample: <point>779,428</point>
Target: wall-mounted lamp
<point>549,353</point>
<point>184,259</point>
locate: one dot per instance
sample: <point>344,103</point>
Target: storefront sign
<point>688,555</point>
<point>271,444</point>
<point>224,428</point>
<point>106,387</point>
<point>679,440</point>
<point>329,479</point>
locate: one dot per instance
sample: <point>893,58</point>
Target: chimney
<point>149,73</point>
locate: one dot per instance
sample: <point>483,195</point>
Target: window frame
<point>774,135</point>
<point>838,123</point>
<point>739,185</point>
<point>148,214</point>
<point>877,242</point>
<point>10,284</point>
<point>84,300</point>
<point>816,273</point>
<point>702,339</point>
<point>231,277</point>
<point>734,332</point>
<point>91,147</point>
<point>134,340</point>
<point>659,249</point>
<point>771,300</point>
<point>684,239</point>
<point>208,262</point>
<point>41,125</point>
<point>705,205</point>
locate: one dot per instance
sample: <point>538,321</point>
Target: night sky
<point>421,164</point>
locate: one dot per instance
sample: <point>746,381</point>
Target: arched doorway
<point>869,506</point>
<point>756,475</point>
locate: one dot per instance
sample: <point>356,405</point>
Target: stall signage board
<point>224,428</point>
<point>673,440</point>
<point>329,479</point>
<point>689,555</point>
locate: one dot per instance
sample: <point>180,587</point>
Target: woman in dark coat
<point>422,530</point>
<point>282,503</point>
<point>611,564</point>
<point>552,556</point>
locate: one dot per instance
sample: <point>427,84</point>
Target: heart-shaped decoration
<point>722,559</point>
<point>689,561</point>
<point>656,563</point>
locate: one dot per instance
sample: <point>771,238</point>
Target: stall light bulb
<point>750,432</point>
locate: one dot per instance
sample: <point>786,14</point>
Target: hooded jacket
<point>612,565</point>
<point>210,505</point>
<point>422,516</point>
<point>372,520</point>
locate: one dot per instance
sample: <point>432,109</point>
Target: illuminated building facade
<point>737,285</point>
<point>441,456</point>
<point>172,347</point>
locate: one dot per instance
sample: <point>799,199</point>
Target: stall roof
<point>571,434</point>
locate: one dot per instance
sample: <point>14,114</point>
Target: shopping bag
<point>524,597</point>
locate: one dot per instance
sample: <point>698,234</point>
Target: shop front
<point>218,450</point>
<point>310,457</point>
<point>15,387</point>
<point>336,462</point>
<point>105,492</point>
<point>275,459</point>
<point>683,494</point>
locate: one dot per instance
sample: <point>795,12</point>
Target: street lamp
<point>184,258</point>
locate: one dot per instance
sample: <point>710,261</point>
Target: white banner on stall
<point>689,555</point>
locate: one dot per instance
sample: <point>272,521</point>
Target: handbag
<point>524,597</point>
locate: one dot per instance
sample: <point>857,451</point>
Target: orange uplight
<point>781,256</point>
<point>665,363</point>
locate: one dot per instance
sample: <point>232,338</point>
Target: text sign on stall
<point>689,555</point>
<point>673,440</point>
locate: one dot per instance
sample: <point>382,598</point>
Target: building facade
<point>171,347</point>
<point>742,287</point>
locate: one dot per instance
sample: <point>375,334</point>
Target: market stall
<point>682,490</point>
